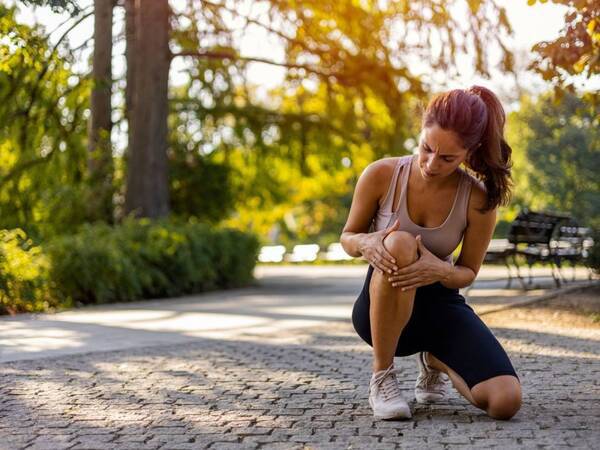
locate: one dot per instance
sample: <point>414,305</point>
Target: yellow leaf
<point>580,65</point>
<point>591,26</point>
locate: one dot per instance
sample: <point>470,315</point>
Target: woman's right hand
<point>372,249</point>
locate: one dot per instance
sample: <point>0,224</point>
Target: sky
<point>531,24</point>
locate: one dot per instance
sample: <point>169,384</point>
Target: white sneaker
<point>385,397</point>
<point>431,385</point>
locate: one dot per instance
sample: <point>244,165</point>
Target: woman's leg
<point>499,396</point>
<point>390,308</point>
<point>457,381</point>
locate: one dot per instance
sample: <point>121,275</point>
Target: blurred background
<point>152,148</point>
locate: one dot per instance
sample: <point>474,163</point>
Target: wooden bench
<point>572,245</point>
<point>545,237</point>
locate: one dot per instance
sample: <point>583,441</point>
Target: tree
<point>100,160</point>
<point>147,192</point>
<point>349,91</point>
<point>556,156</point>
<point>346,44</point>
<point>42,131</point>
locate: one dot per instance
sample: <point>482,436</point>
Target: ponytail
<point>478,118</point>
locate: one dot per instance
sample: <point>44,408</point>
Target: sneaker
<point>385,397</point>
<point>431,385</point>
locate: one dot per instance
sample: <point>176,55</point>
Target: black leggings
<point>443,324</point>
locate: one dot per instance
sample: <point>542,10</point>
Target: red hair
<point>477,117</point>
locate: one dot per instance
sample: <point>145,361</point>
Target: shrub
<point>23,274</point>
<point>135,260</point>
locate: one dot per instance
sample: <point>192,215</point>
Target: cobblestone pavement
<point>304,390</point>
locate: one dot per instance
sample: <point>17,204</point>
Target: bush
<point>23,274</point>
<point>138,259</point>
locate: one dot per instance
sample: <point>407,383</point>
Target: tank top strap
<point>403,164</point>
<point>386,205</point>
<point>404,182</point>
<point>462,202</point>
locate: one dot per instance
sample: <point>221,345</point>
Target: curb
<point>541,298</point>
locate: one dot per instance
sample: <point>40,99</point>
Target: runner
<point>408,215</point>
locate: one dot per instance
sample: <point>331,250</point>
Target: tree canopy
<point>556,156</point>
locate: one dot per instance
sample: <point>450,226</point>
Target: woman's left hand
<point>425,270</point>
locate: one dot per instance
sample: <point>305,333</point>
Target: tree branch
<point>233,56</point>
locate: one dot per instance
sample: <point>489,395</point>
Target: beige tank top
<point>441,240</point>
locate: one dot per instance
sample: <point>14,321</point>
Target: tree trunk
<point>130,53</point>
<point>147,193</point>
<point>100,161</point>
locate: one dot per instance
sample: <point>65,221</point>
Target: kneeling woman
<point>408,215</point>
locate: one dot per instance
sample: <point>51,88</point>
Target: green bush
<point>138,259</point>
<point>23,274</point>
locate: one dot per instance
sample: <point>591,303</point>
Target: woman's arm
<point>365,200</point>
<point>476,239</point>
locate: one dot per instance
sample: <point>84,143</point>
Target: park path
<point>277,365</point>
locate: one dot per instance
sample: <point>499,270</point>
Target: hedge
<point>138,259</point>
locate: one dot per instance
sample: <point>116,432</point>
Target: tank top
<point>441,240</point>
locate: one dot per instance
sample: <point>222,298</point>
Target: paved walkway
<point>277,365</point>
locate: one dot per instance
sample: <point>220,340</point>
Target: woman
<point>408,215</point>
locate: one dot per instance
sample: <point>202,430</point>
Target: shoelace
<point>432,378</point>
<point>388,384</point>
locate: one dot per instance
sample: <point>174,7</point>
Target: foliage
<point>348,98</point>
<point>138,259</point>
<point>199,186</point>
<point>42,133</point>
<point>577,49</point>
<point>23,274</point>
<point>144,259</point>
<point>69,6</point>
<point>556,157</point>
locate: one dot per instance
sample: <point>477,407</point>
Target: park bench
<point>271,253</point>
<point>303,252</point>
<point>544,237</point>
<point>572,245</point>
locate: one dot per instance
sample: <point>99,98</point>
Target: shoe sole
<point>430,399</point>
<point>398,415</point>
<point>394,416</point>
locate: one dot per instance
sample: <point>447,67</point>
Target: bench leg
<point>559,275</point>
<point>509,273</point>
<point>514,258</point>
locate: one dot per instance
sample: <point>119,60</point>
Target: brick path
<point>300,388</point>
<point>307,391</point>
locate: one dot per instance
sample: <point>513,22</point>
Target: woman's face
<point>440,153</point>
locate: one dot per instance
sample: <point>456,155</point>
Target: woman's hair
<point>477,117</point>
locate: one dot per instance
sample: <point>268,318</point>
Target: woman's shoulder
<point>478,193</point>
<point>387,165</point>
<point>378,174</point>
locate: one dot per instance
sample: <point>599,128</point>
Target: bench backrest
<point>570,233</point>
<point>535,227</point>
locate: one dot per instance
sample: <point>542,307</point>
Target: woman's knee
<point>403,246</point>
<point>501,398</point>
